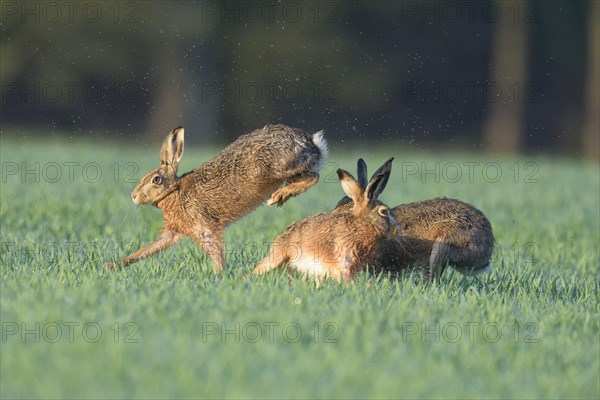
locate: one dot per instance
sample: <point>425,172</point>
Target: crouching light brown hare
<point>336,245</point>
<point>434,233</point>
<point>201,203</point>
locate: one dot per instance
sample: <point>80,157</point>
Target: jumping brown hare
<point>201,203</point>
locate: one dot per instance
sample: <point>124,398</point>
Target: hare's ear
<point>376,186</point>
<point>361,173</point>
<point>350,186</point>
<point>373,188</point>
<point>172,150</point>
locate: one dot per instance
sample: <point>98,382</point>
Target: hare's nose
<point>134,198</point>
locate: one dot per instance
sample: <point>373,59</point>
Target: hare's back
<point>459,225</point>
<point>450,212</point>
<point>336,228</point>
<point>273,152</point>
<point>246,172</point>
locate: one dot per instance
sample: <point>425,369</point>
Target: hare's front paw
<point>279,197</point>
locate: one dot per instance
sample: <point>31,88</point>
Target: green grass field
<point>168,327</point>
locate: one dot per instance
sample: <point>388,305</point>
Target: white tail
<point>319,141</point>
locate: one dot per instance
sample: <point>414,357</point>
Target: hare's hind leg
<point>437,261</point>
<point>297,184</point>
<point>276,258</point>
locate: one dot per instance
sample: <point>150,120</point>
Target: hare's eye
<point>157,180</point>
<point>383,212</point>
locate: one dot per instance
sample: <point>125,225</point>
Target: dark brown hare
<point>434,233</point>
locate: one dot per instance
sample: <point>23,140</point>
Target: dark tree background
<point>501,76</point>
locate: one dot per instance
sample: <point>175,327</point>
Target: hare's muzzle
<point>134,197</point>
<point>395,229</point>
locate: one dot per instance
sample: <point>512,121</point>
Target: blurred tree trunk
<point>503,128</point>
<point>591,132</point>
<point>168,99</point>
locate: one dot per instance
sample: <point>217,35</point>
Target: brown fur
<point>435,233</point>
<point>336,245</point>
<point>201,203</point>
